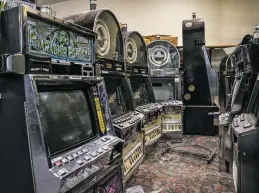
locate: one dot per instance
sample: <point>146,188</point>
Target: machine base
<point>225,166</point>
<point>198,120</point>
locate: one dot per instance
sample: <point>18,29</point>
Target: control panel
<point>81,163</point>
<point>145,109</point>
<point>152,122</point>
<point>245,153</point>
<point>223,119</point>
<point>241,125</point>
<point>128,120</point>
<point>128,128</point>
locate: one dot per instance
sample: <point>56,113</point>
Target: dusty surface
<point>177,173</point>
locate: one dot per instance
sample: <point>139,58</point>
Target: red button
<point>59,163</point>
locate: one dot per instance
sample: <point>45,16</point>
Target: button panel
<point>93,154</point>
<point>62,172</point>
<point>128,120</point>
<point>242,117</point>
<point>58,163</point>
<point>80,153</point>
<point>72,161</point>
<point>87,158</point>
<point>80,162</point>
<point>70,158</point>
<point>247,125</point>
<point>64,161</point>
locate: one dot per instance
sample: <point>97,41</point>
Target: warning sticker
<point>99,114</point>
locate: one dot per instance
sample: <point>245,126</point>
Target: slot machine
<point>245,146</point>
<point>138,75</point>
<point>54,136</point>
<point>246,73</point>
<point>200,81</point>
<point>164,64</point>
<point>111,66</point>
<point>44,44</point>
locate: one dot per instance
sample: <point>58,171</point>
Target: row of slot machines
<point>239,123</point>
<point>77,104</point>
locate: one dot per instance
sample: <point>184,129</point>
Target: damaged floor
<point>177,173</point>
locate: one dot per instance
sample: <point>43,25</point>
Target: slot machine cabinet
<point>126,121</point>
<point>111,66</point>
<point>164,65</point>
<point>58,134</point>
<point>172,124</point>
<point>138,75</point>
<point>200,81</point>
<point>29,32</point>
<point>245,146</point>
<point>145,104</point>
<point>246,70</point>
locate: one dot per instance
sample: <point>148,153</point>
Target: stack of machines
<point>164,65</point>
<point>53,130</point>
<point>138,75</point>
<point>239,126</point>
<point>127,122</point>
<point>200,81</point>
<point>245,146</point>
<point>245,68</point>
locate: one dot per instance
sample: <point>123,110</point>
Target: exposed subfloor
<point>177,173</point>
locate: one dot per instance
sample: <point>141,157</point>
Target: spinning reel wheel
<point>163,58</point>
<point>109,42</point>
<point>135,49</point>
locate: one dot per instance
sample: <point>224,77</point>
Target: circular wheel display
<point>131,51</point>
<point>103,38</point>
<point>159,56</point>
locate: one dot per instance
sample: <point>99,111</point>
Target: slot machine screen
<point>67,117</point>
<point>116,92</point>
<point>140,91</point>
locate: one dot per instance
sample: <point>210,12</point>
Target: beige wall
<point>226,20</point>
<point>240,17</point>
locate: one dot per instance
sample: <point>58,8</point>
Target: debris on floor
<point>135,189</point>
<point>171,172</point>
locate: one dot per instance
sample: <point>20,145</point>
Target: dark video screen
<point>116,92</point>
<point>67,118</point>
<point>255,108</point>
<point>140,91</point>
